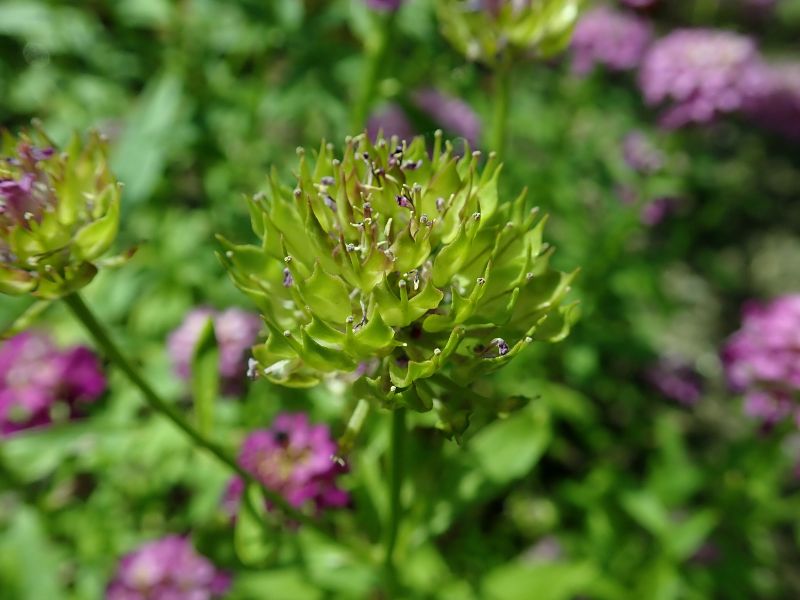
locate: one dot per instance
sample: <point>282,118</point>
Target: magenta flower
<point>30,195</point>
<point>388,5</point>
<point>295,459</point>
<point>762,359</point>
<point>236,331</point>
<point>36,376</point>
<point>676,379</point>
<point>777,106</point>
<point>607,37</point>
<point>167,569</point>
<point>658,209</point>
<point>699,74</point>
<point>451,113</point>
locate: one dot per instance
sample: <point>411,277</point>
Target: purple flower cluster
<point>449,112</point>
<point>294,458</point>
<point>453,114</point>
<point>36,377</point>
<point>167,569</point>
<point>762,359</point>
<point>700,73</point>
<point>236,331</point>
<point>388,5</point>
<point>777,105</point>
<point>611,38</point>
<point>639,3</point>
<point>676,379</point>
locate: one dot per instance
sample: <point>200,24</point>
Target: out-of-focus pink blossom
<point>610,38</point>
<point>699,74</point>
<point>762,359</point>
<point>36,376</point>
<point>295,459</point>
<point>167,569</point>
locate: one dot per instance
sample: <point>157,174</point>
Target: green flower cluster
<point>59,212</point>
<point>401,265</point>
<point>492,31</point>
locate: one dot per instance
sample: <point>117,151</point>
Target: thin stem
<point>500,100</point>
<point>396,463</point>
<point>375,49</point>
<point>103,339</point>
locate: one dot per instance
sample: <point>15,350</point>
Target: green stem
<point>500,100</point>
<point>396,463</point>
<point>376,49</point>
<point>103,339</point>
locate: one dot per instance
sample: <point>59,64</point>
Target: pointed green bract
<point>401,267</point>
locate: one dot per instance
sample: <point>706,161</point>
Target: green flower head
<point>491,31</point>
<point>400,264</point>
<point>59,212</point>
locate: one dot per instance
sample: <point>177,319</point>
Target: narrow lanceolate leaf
<point>205,377</point>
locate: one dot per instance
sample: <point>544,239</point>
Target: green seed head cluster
<point>492,31</point>
<point>59,213</point>
<point>400,264</point>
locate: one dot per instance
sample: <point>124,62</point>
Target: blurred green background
<point>599,488</point>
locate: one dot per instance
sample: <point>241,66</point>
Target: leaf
<point>548,581</point>
<point>205,377</point>
<point>251,542</point>
<point>93,239</point>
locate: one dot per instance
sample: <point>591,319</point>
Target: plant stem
<point>112,351</point>
<point>396,464</point>
<point>500,100</point>
<point>375,50</point>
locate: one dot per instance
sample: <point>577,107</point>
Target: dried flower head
<point>167,569</point>
<point>59,212</point>
<point>490,31</point>
<point>399,255</point>
<point>36,378</point>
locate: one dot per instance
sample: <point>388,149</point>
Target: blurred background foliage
<point>599,488</point>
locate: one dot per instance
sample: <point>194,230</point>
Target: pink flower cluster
<point>30,195</point>
<point>294,458</point>
<point>777,105</point>
<point>36,377</point>
<point>167,569</point>
<point>614,39</point>
<point>388,5</point>
<point>236,331</point>
<point>762,359</point>
<point>699,74</point>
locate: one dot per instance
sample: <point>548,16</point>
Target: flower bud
<point>59,213</point>
<point>489,30</point>
<point>452,280</point>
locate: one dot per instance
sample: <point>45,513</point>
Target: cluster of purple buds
<point>294,458</point>
<point>639,3</point>
<point>610,38</point>
<point>167,569</point>
<point>676,379</point>
<point>236,331</point>
<point>762,359</point>
<point>37,379</point>
<point>699,74</point>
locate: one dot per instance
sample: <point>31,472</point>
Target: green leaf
<point>205,377</point>
<point>93,239</point>
<point>254,540</point>
<point>548,581</point>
